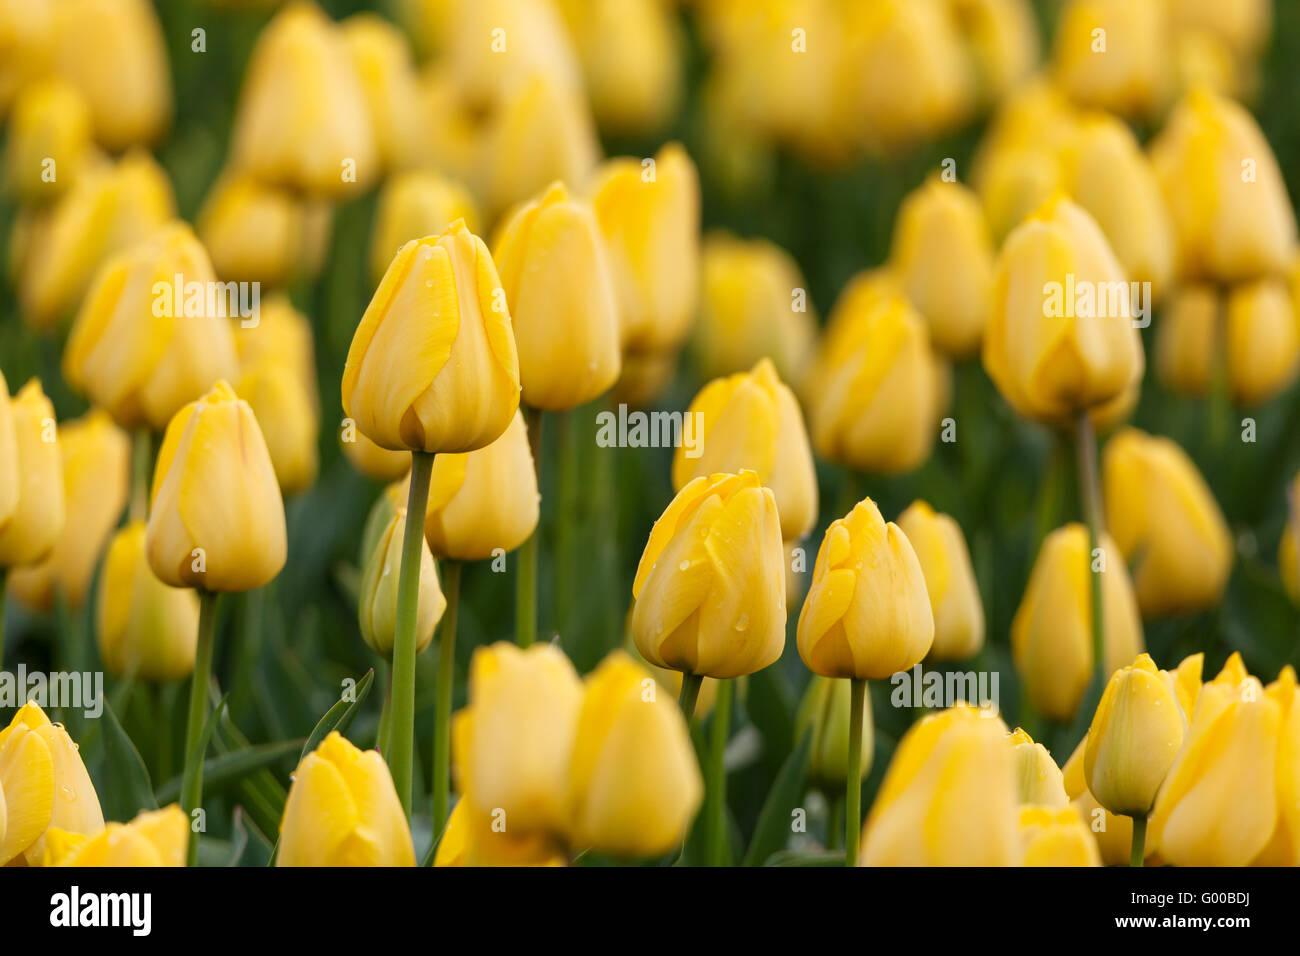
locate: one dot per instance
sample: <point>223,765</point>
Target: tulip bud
<point>1114,55</point>
<point>412,204</point>
<point>1232,218</point>
<point>1051,634</point>
<point>949,579</point>
<point>752,421</point>
<point>634,783</point>
<point>1218,805</point>
<point>1038,779</point>
<point>217,520</point>
<point>26,45</point>
<point>867,614</point>
<point>1001,37</point>
<point>49,141</point>
<point>556,278</point>
<point>432,366</point>
<point>281,335</point>
<point>386,73</point>
<point>1055,836</point>
<point>378,599</point>
<point>948,797</point>
<point>943,257</point>
<point>378,464</point>
<point>343,811</point>
<point>302,120</point>
<point>472,837</point>
<point>287,415</point>
<point>533,41</point>
<point>710,586</point>
<point>255,232</point>
<point>132,351</point>
<point>649,213</point>
<point>1263,340</point>
<point>825,712</point>
<point>1283,847</point>
<point>96,465</point>
<point>153,838</point>
<point>1166,522</point>
<point>1187,340</point>
<point>35,521</point>
<point>45,786</point>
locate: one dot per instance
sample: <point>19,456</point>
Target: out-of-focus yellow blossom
<point>217,519</point>
<point>26,44</point>
<point>1061,338</point>
<point>432,366</point>
<point>255,232</point>
<point>144,628</point>
<point>1038,778</point>
<point>343,811</point>
<point>824,713</point>
<point>302,120</point>
<point>1112,833</point>
<point>948,797</point>
<point>1001,39</point>
<point>710,586</point>
<point>1185,680</point>
<point>378,464</point>
<point>153,838</point>
<point>115,53</point>
<point>1225,193</point>
<point>1055,836</point>
<point>287,414</point>
<point>491,45</point>
<point>867,614</point>
<point>1242,28</point>
<point>1187,340</point>
<point>649,213</point>
<point>752,421</point>
<point>10,476</point>
<point>1218,805</point>
<point>412,204</point>
<point>1115,55</point>
<point>96,464</point>
<point>31,527</point>
<point>1288,550</point>
<point>377,601</point>
<point>386,71</point>
<point>45,786</point>
<point>949,579</point>
<point>557,280</point>
<point>476,837</point>
<point>1283,848</point>
<point>49,141</point>
<point>283,335</point>
<point>1051,634</point>
<point>1166,522</point>
<point>132,351</point>
<point>452,130</point>
<point>753,305</point>
<point>634,783</point>
<point>644,378</point>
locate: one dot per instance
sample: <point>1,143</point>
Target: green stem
<point>1090,493</point>
<point>852,782</point>
<point>141,467</point>
<point>442,706</point>
<point>690,694</point>
<point>526,584</point>
<point>717,783</point>
<point>566,523</point>
<point>385,714</point>
<point>192,778</point>
<point>835,822</point>
<point>401,729</point>
<point>1138,853</point>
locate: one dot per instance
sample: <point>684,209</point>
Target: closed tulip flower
<point>10,477</point>
<point>49,141</point>
<point>1001,37</point>
<point>36,519</point>
<point>752,421</point>
<point>377,602</point>
<point>949,579</point>
<point>1283,847</point>
<point>26,45</point>
<point>96,464</point>
<point>710,586</point>
<point>153,838</point>
<point>471,838</point>
<point>948,797</point>
<point>1051,633</point>
<point>1166,522</point>
<point>1187,340</point>
<point>412,204</point>
<point>217,518</point>
<point>255,232</point>
<point>1218,805</point>
<point>1056,836</point>
<point>1038,779</point>
<point>557,280</point>
<point>535,43</point>
<point>45,786</point>
<point>432,366</point>
<point>384,67</point>
<point>634,782</point>
<point>867,614</point>
<point>343,811</point>
<point>1185,681</point>
<point>281,335</point>
<point>1232,217</point>
<point>378,464</point>
<point>131,351</point>
<point>1114,55</point>
<point>288,417</point>
<point>302,120</point>
<point>825,713</point>
<point>1263,340</point>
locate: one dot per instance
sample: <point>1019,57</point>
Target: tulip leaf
<point>340,716</point>
<point>232,767</point>
<point>131,790</point>
<point>774,819</point>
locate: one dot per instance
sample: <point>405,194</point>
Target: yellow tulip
<point>710,586</point>
<point>1243,27</point>
<point>10,476</point>
<point>153,838</point>
<point>948,797</point>
<point>26,44</point>
<point>378,464</point>
<point>217,519</point>
<point>36,520</point>
<point>752,421</point>
<point>1055,836</point>
<point>824,713</point>
<point>649,214</point>
<point>1226,196</point>
<point>1185,681</point>
<point>1001,37</point>
<point>289,420</point>
<point>45,786</point>
<point>644,378</point>
<point>1283,847</point>
<point>1114,55</point>
<point>302,120</point>
<point>343,811</point>
<point>1218,805</point>
<point>384,67</point>
<point>634,783</point>
<point>949,579</point>
<point>475,837</point>
<point>96,465</point>
<point>377,601</point>
<point>943,256</point>
<point>492,44</point>
<point>1038,780</point>
<point>412,204</point>
<point>49,141</point>
<point>432,366</point>
<point>131,351</point>
<point>557,280</point>
<point>1187,340</point>
<point>1051,633</point>
<point>867,614</point>
<point>255,232</point>
<point>1166,522</point>
<point>281,335</point>
<point>1263,340</point>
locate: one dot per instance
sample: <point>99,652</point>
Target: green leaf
<point>340,716</point>
<point>231,768</point>
<point>774,819</point>
<point>806,858</point>
<point>129,788</point>
<point>192,759</point>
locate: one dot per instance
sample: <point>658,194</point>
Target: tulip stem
<point>852,782</point>
<point>442,706</point>
<point>526,584</point>
<point>717,785</point>
<point>385,714</point>
<point>1138,853</point>
<point>690,693</point>
<point>192,778</point>
<point>1090,492</point>
<point>141,462</point>
<point>401,724</point>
